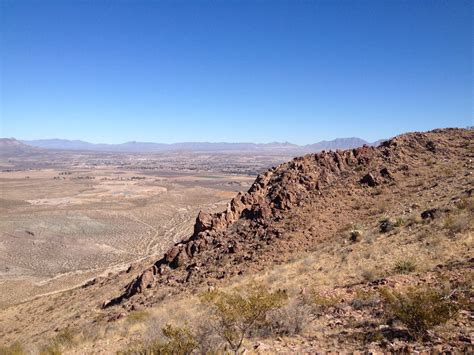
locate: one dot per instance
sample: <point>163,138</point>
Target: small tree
<point>236,314</point>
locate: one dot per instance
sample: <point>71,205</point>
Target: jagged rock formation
<point>248,233</point>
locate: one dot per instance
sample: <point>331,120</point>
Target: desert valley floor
<point>65,222</point>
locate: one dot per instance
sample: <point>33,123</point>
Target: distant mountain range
<point>149,147</point>
<point>11,146</point>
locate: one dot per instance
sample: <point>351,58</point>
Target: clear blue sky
<point>169,71</point>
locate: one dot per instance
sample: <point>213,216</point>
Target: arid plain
<point>67,217</point>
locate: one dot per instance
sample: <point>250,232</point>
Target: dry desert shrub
<point>419,308</point>
<point>65,339</point>
<point>399,222</point>
<point>465,204</point>
<point>322,302</point>
<point>177,341</point>
<point>364,299</point>
<point>368,275</point>
<point>137,316</point>
<point>208,340</point>
<point>288,320</point>
<point>235,315</point>
<point>13,349</point>
<point>404,266</point>
<point>458,223</point>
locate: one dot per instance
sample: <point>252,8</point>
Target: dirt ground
<point>60,227</point>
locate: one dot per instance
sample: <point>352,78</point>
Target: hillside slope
<point>250,234</point>
<point>334,228</point>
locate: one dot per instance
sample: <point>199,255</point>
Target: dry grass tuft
<point>137,317</point>
<point>13,349</point>
<point>457,223</point>
<point>404,266</point>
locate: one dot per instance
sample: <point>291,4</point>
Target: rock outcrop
<point>239,235</point>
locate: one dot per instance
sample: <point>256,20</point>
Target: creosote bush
<point>179,341</point>
<point>236,314</point>
<point>419,308</point>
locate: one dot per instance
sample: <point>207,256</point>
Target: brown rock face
<point>203,222</point>
<point>247,231</point>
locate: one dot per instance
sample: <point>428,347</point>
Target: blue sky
<point>260,71</point>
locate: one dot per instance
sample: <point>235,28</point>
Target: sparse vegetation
<point>66,338</point>
<point>419,308</point>
<point>465,204</point>
<point>178,341</point>
<point>236,314</point>
<point>346,314</point>
<point>323,302</point>
<point>368,275</point>
<point>399,222</point>
<point>13,349</point>
<point>404,266</point>
<point>291,319</point>
<point>456,223</point>
<point>364,299</point>
<point>137,316</point>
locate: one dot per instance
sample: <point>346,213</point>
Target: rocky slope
<point>250,234</point>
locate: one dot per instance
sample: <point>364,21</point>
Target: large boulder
<point>369,180</point>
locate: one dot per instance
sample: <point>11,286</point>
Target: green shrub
<point>419,308</point>
<point>237,314</point>
<point>404,266</point>
<point>399,222</point>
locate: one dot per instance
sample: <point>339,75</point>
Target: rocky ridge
<point>249,235</point>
